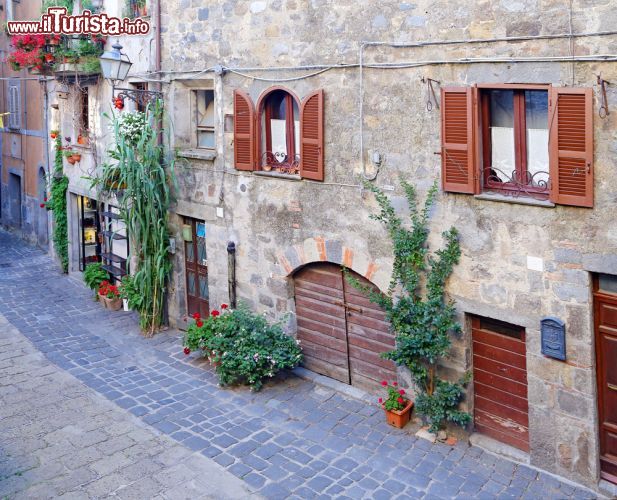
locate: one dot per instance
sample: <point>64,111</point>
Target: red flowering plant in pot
<point>397,406</point>
<point>110,296</point>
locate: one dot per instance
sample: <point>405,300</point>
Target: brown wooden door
<point>341,332</point>
<point>500,382</point>
<point>605,319</point>
<point>196,266</point>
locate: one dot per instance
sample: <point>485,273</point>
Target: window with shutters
<point>282,134</point>
<point>519,140</point>
<point>14,106</point>
<point>279,133</point>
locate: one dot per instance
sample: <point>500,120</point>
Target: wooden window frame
<point>266,112</point>
<point>200,128</point>
<point>520,135</point>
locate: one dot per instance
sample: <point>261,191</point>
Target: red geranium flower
<point>401,400</point>
<point>394,384</point>
<point>224,306</point>
<point>215,313</point>
<point>196,316</point>
<point>384,383</point>
<point>187,351</point>
<point>401,392</point>
<point>42,205</point>
<point>45,198</point>
<point>200,323</point>
<point>380,400</point>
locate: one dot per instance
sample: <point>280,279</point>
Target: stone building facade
<point>526,255</point>
<point>25,165</point>
<point>81,107</point>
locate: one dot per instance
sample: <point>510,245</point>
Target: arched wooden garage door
<point>341,332</point>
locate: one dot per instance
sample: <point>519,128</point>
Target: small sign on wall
<point>553,335</point>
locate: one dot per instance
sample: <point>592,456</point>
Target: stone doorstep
<point>330,383</point>
<point>499,449</point>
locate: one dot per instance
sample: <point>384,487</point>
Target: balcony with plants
<point>58,55</point>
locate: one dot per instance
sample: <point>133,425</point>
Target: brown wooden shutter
<point>244,131</point>
<point>457,144</point>
<point>312,137</point>
<point>571,147</point>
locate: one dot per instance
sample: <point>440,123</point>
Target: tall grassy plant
<point>142,173</point>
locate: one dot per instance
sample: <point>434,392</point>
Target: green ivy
<point>416,306</point>
<point>57,204</point>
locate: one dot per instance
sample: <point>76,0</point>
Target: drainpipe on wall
<point>231,273</point>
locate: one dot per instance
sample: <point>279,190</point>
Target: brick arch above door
<point>319,249</point>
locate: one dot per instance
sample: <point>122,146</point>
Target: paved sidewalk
<point>61,439</point>
<point>294,439</point>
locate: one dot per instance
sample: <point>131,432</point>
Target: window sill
<point>198,154</point>
<point>277,175</point>
<point>520,200</point>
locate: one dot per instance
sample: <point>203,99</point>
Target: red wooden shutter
<point>571,147</point>
<point>244,131</point>
<point>312,137</point>
<point>457,133</point>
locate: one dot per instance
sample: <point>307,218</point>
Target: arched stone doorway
<point>341,332</point>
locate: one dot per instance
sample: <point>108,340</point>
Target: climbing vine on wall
<point>57,204</point>
<point>140,175</point>
<point>416,307</point>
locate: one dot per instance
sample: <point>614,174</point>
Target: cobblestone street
<point>90,408</point>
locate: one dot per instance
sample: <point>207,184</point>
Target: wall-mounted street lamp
<point>115,67</point>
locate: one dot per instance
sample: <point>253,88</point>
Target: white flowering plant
<point>242,345</point>
<point>132,126</point>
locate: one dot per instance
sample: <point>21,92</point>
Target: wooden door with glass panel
<point>605,322</point>
<point>196,265</point>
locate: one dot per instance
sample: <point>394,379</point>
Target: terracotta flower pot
<point>399,418</point>
<point>102,300</point>
<point>113,304</point>
<point>71,160</point>
<point>76,157</point>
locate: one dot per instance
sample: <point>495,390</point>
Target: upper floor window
<point>205,118</point>
<point>284,135</point>
<point>515,140</point>
<point>521,140</point>
<point>280,133</point>
<point>137,8</point>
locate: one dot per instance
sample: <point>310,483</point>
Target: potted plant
<point>110,295</point>
<point>82,140</point>
<point>68,154</point>
<point>94,275</point>
<point>397,406</point>
<point>131,296</point>
<point>54,134</point>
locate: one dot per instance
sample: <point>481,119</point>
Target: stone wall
<point>272,219</point>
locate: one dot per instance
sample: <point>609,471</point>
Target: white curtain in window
<point>502,161</point>
<point>537,154</point>
<point>278,133</point>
